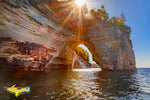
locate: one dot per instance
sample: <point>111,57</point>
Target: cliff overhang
<point>33,38</point>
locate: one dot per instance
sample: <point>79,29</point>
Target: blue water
<point>78,85</point>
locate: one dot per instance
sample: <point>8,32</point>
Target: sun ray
<point>67,18</point>
<point>60,12</point>
<point>75,10</point>
<point>56,6</point>
<point>80,24</point>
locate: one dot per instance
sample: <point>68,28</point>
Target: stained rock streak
<point>32,37</point>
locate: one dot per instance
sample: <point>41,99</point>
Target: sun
<point>79,2</point>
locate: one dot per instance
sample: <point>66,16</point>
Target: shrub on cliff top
<point>102,15</point>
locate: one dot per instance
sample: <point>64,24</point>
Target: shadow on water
<point>68,84</point>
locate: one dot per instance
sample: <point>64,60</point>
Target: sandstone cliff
<point>33,37</point>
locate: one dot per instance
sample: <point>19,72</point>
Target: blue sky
<point>137,14</point>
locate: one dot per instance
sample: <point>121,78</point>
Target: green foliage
<point>92,12</point>
<point>118,20</point>
<point>127,29</point>
<point>102,15</point>
<point>122,18</point>
<point>82,53</point>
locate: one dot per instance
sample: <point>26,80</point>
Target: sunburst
<point>79,3</point>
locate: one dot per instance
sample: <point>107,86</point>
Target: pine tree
<point>99,13</point>
<point>92,12</point>
<point>104,15</point>
<point>122,18</point>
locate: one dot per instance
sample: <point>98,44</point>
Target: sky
<point>137,14</point>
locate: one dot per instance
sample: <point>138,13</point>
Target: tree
<point>104,14</point>
<point>122,18</point>
<point>99,13</point>
<point>103,8</point>
<point>128,30</point>
<point>84,9</point>
<point>92,12</point>
<point>114,19</point>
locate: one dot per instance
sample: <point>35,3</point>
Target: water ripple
<point>78,85</point>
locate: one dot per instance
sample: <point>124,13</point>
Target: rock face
<point>32,38</point>
<point>79,62</point>
<point>111,48</point>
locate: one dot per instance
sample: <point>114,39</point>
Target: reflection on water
<point>78,85</point>
<point>87,70</point>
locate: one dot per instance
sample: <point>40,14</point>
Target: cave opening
<point>83,58</point>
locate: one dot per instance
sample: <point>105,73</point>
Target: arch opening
<point>83,58</point>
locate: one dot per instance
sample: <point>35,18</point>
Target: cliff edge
<point>33,37</point>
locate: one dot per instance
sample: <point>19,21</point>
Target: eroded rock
<point>32,37</point>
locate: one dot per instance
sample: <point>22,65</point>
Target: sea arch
<point>83,57</point>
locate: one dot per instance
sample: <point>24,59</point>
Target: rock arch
<point>83,58</point>
<point>54,45</point>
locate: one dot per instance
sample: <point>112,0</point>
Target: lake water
<point>78,85</point>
